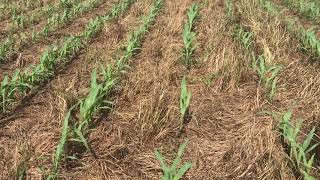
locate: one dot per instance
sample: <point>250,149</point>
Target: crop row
<point>23,82</point>
<point>55,21</point>
<point>309,41</point>
<point>9,8</point>
<point>81,124</point>
<point>267,73</point>
<point>95,99</point>
<point>189,36</point>
<point>21,21</point>
<point>299,152</point>
<point>307,8</point>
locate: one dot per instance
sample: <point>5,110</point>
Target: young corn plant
<point>299,152</point>
<point>267,74</point>
<point>185,98</point>
<point>245,37</point>
<point>189,36</point>
<point>98,92</point>
<point>93,102</point>
<point>269,6</point>
<point>229,9</point>
<point>9,88</point>
<point>310,41</point>
<point>60,150</point>
<point>54,21</point>
<point>135,38</point>
<point>173,172</point>
<point>19,21</point>
<point>5,47</point>
<point>35,75</point>
<point>91,28</point>
<point>309,9</point>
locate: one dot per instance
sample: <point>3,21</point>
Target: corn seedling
<point>308,9</point>
<point>269,6</point>
<point>60,150</point>
<point>93,102</point>
<point>173,172</point>
<point>185,98</point>
<point>189,36</point>
<point>19,21</point>
<point>92,27</point>
<point>229,9</point>
<point>5,47</point>
<point>135,38</point>
<point>54,21</point>
<point>298,152</point>
<point>245,37</point>
<point>267,74</point>
<point>9,88</point>
<point>310,42</point>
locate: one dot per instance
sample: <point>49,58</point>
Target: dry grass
<point>228,137</point>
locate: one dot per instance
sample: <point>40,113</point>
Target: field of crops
<point>151,89</point>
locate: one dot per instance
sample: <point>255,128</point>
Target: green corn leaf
<point>182,171</point>
<point>307,141</point>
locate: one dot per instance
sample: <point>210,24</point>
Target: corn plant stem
<point>36,36</point>
<point>30,80</point>
<point>134,42</point>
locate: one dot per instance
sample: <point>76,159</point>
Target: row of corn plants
<point>189,35</point>
<point>95,100</point>
<point>268,74</point>
<point>54,22</point>
<point>300,153</point>
<point>9,8</point>
<point>300,150</point>
<point>29,19</point>
<point>175,171</point>
<point>23,82</point>
<point>309,41</point>
<point>307,8</point>
<point>7,45</point>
